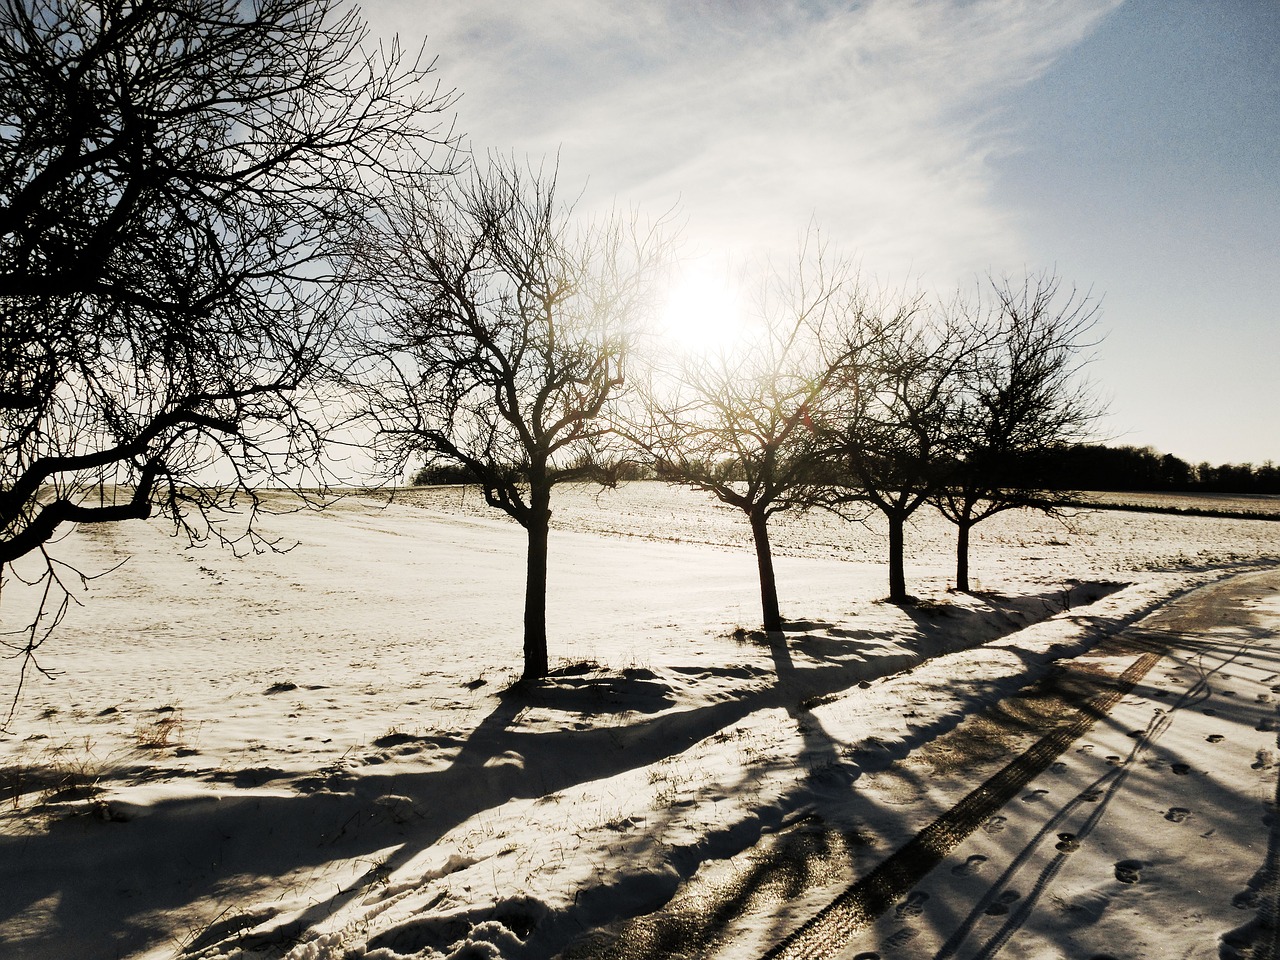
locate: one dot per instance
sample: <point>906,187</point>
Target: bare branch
<point>1022,392</point>
<point>175,180</point>
<point>743,424</point>
<point>495,336</point>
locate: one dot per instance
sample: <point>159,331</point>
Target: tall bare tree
<point>172,176</point>
<point>497,340</point>
<point>739,422</point>
<point>1022,394</point>
<point>893,437</point>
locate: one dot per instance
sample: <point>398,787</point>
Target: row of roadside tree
<point>502,338</point>
<point>236,237</point>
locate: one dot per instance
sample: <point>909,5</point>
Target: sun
<point>703,312</point>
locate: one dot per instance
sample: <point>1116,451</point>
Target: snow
<point>310,754</point>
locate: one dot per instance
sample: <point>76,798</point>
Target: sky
<point>1131,147</point>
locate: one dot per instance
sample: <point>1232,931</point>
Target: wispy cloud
<point>874,118</point>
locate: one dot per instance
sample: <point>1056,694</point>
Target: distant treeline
<point>1125,468</point>
<point>441,474</point>
<point>1083,467</point>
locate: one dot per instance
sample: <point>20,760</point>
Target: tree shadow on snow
<point>806,856</point>
<point>82,871</point>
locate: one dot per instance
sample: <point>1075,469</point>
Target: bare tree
<point>1023,394</point>
<point>172,176</point>
<point>893,437</point>
<point>739,422</point>
<point>497,340</point>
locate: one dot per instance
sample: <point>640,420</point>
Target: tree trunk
<point>768,584</point>
<point>962,555</point>
<point>535,589</point>
<point>897,573</point>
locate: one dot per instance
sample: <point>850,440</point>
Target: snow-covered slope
<point>313,753</point>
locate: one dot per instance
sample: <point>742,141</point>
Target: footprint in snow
<point>1113,760</point>
<point>911,907</point>
<point>1209,712</point>
<point>1215,738</point>
<point>1129,871</point>
<point>1266,725</point>
<point>1087,748</point>
<point>995,823</point>
<point>1181,769</point>
<point>1091,796</point>
<point>1265,760</point>
<point>972,865</point>
<point>1177,814</point>
<point>902,937</point>
<point>1034,795</point>
<point>1067,843</point>
<point>866,955</point>
<point>1002,903</point>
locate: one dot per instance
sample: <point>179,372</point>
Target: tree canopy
<point>495,338</point>
<point>173,178</point>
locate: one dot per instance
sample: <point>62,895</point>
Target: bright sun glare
<point>703,311</point>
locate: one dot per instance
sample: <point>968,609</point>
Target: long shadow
<point>86,870</point>
<point>700,920</point>
<point>701,915</point>
<point>80,863</point>
<point>947,627</point>
<point>792,867</point>
<point>808,855</point>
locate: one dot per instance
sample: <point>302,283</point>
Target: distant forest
<point>1097,467</point>
<point>1081,467</point>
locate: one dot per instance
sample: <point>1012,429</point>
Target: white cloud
<point>874,118</point>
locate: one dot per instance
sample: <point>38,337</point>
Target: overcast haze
<point>1130,146</point>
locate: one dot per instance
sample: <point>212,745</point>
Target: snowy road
<point>1149,828</point>
<point>1134,822</point>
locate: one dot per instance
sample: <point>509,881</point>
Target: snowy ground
<point>310,754</point>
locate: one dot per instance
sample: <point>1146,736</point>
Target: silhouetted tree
<point>172,176</point>
<point>1175,474</point>
<point>498,336</point>
<point>442,473</point>
<point>1085,466</point>
<point>739,422</point>
<point>1267,478</point>
<point>893,436</point>
<point>1019,392</point>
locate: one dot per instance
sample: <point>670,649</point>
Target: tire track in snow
<point>872,895</point>
<point>1101,792</point>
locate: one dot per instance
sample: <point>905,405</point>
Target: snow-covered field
<point>311,754</point>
